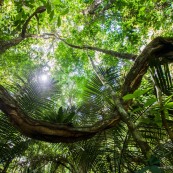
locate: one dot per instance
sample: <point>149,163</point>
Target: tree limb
<point>40,9</point>
<point>86,47</point>
<point>45,131</point>
<point>145,148</point>
<point>5,45</point>
<point>159,47</point>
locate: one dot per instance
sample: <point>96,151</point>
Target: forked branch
<point>40,9</point>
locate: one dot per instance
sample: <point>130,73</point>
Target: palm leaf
<point>98,101</point>
<point>12,143</point>
<point>162,76</point>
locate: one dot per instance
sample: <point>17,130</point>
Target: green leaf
<point>51,15</point>
<point>143,170</point>
<point>128,97</point>
<point>65,11</point>
<point>154,161</point>
<point>17,22</point>
<point>158,120</point>
<point>150,102</point>
<point>169,105</point>
<point>60,112</point>
<point>59,21</point>
<point>155,169</point>
<point>137,109</point>
<point>142,11</point>
<point>86,1</point>
<point>136,94</point>
<point>48,7</point>
<point>168,99</point>
<point>140,92</point>
<point>19,16</point>
<point>166,113</point>
<point>152,169</point>
<point>56,2</point>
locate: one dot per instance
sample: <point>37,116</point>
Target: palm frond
<point>12,143</point>
<point>99,103</point>
<point>40,100</point>
<point>162,76</point>
<point>164,152</point>
<point>84,154</point>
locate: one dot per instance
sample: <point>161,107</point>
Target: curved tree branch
<point>40,9</point>
<point>45,131</point>
<point>5,45</point>
<point>86,47</point>
<point>158,48</point>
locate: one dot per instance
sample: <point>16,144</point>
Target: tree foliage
<point>86,86</point>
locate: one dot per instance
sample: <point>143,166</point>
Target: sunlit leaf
<point>169,105</point>
<point>149,102</point>
<point>128,97</point>
<point>136,94</point>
